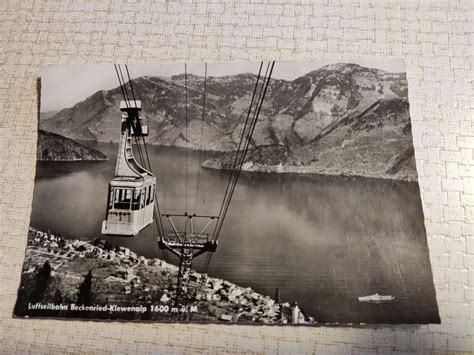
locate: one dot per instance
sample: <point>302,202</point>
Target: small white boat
<point>376,298</point>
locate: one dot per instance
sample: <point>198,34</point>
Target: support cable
<point>131,86</point>
<point>248,143</point>
<point>238,161</point>
<point>234,165</point>
<point>243,147</point>
<point>120,82</point>
<point>186,129</point>
<point>127,100</point>
<point>145,163</point>
<point>202,131</point>
<point>228,198</point>
<point>238,158</point>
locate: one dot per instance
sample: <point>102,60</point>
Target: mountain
<point>47,114</point>
<point>53,147</point>
<point>374,143</point>
<point>343,118</point>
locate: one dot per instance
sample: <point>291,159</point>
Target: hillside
<point>376,143</point>
<point>54,147</point>
<point>47,114</point>
<point>120,279</point>
<point>341,118</point>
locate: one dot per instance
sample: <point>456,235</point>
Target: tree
<point>21,305</point>
<point>108,246</point>
<point>57,300</point>
<point>58,297</point>
<point>85,296</point>
<point>42,280</point>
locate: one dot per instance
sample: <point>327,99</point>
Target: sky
<point>64,86</point>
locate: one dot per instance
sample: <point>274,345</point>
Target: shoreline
<point>250,167</point>
<point>70,160</point>
<point>306,170</point>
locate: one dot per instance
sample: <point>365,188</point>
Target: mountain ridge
<point>54,147</point>
<point>293,119</point>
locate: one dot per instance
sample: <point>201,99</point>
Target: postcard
<point>279,193</point>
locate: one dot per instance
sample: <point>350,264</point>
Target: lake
<point>323,241</point>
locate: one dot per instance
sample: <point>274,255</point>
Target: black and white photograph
<point>278,193</point>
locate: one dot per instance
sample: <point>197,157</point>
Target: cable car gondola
<point>132,190</point>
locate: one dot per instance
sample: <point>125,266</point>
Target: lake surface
<point>323,241</point>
